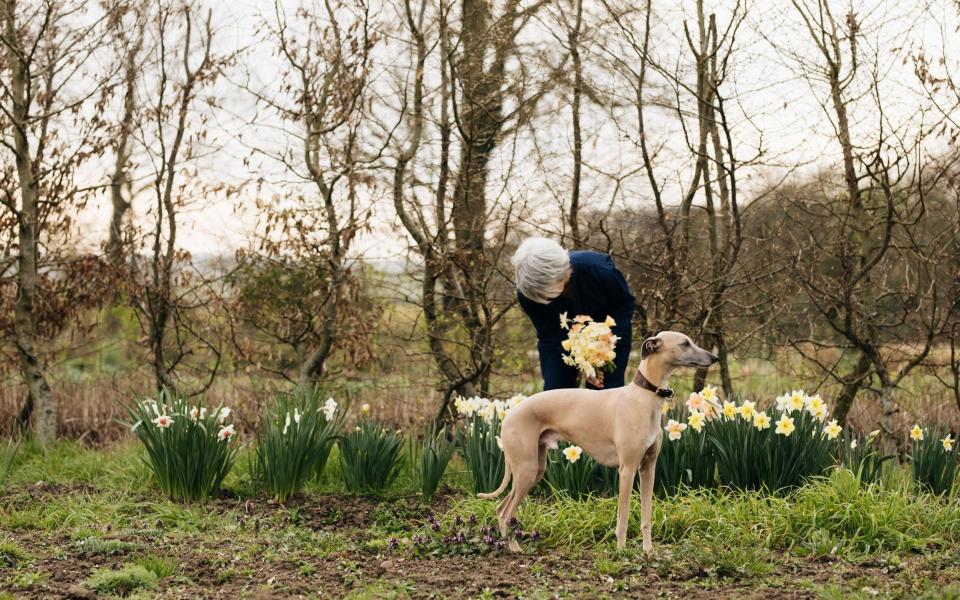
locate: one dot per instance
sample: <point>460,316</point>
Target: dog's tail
<point>503,484</point>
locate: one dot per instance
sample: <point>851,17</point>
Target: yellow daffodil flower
<point>785,426</point>
<point>761,420</point>
<point>916,433</point>
<point>696,420</point>
<point>832,430</point>
<point>675,429</point>
<point>572,453</point>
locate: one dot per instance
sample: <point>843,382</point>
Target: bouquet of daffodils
<point>590,344</point>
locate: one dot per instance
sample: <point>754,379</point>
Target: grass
<point>857,521</point>
<point>96,520</point>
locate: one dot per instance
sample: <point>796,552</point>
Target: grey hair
<point>542,269</point>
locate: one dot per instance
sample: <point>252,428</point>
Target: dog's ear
<point>650,345</point>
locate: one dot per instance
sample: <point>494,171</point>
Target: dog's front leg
<point>627,473</point>
<point>647,475</point>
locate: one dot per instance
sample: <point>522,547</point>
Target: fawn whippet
<point>618,427</point>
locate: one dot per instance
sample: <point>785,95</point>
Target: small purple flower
<point>417,540</point>
<point>458,521</point>
<point>513,522</point>
<point>447,539</point>
<point>393,543</point>
<point>518,532</point>
<point>500,544</point>
<point>435,526</point>
<point>460,538</point>
<point>488,539</point>
<point>535,536</point>
<point>473,519</point>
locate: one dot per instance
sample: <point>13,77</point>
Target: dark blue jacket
<point>597,288</point>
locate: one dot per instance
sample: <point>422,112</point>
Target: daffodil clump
<point>933,459</point>
<point>705,406</point>
<point>370,455</point>
<point>590,345</point>
<point>485,408</point>
<point>752,448</point>
<point>686,458</point>
<point>571,472</point>
<point>189,446</point>
<point>479,438</point>
<point>862,455</point>
<point>294,441</point>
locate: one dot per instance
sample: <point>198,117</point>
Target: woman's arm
<point>556,374</point>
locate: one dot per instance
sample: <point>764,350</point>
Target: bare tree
<point>325,53</point>
<point>127,27</point>
<point>170,137</point>
<point>858,259</point>
<point>684,280</point>
<point>47,132</point>
<point>480,101</point>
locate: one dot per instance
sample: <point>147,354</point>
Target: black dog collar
<point>642,381</point>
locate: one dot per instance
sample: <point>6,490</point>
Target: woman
<point>551,281</point>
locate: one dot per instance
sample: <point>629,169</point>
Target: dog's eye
<point>686,343</point>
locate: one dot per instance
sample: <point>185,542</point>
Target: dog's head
<point>675,349</point>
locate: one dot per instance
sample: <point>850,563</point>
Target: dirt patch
<point>337,512</point>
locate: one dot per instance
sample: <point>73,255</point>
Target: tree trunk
<point>24,323</point>
<point>574,39</point>
<point>851,386</point>
<point>889,411</point>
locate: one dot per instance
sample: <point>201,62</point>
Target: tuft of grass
<point>159,566</point>
<point>11,554</point>
<point>123,581</point>
<point>27,580</point>
<point>8,454</point>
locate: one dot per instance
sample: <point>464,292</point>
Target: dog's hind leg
<point>502,506</point>
<point>541,464</point>
<point>627,473</point>
<point>523,481</point>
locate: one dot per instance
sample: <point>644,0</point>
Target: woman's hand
<point>597,381</point>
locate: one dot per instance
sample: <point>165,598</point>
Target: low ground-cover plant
<point>370,457</point>
<point>294,442</point>
<point>465,535</point>
<point>123,581</point>
<point>933,459</point>
<point>189,447</point>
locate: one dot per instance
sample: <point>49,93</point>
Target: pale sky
<point>773,104</point>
